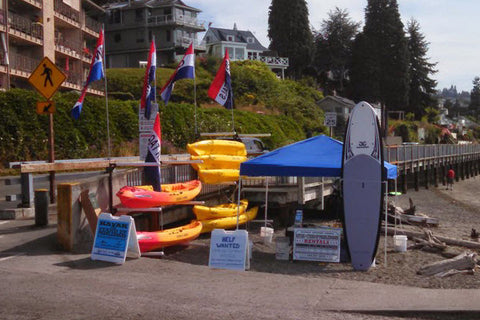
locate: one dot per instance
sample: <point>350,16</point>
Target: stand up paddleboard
<point>362,173</point>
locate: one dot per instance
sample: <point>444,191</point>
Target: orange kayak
<point>149,241</point>
<point>140,197</point>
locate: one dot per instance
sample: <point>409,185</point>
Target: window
<point>230,38</point>
<point>168,36</point>
<point>250,40</point>
<point>139,14</point>
<point>207,39</point>
<point>117,37</point>
<point>230,51</point>
<point>239,53</point>
<point>140,36</point>
<point>167,11</point>
<point>150,35</point>
<point>115,16</point>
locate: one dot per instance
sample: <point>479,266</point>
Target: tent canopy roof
<point>320,156</point>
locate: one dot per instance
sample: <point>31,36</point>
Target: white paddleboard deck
<point>362,168</point>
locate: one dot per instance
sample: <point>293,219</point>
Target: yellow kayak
<point>218,161</point>
<point>219,211</point>
<point>228,222</point>
<point>216,176</point>
<point>226,147</point>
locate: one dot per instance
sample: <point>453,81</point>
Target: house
<point>131,26</point>
<point>241,45</point>
<point>64,31</point>
<point>341,106</point>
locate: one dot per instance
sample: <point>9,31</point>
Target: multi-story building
<point>65,31</point>
<point>241,45</point>
<point>131,25</point>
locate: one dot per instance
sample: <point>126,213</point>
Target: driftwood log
<point>460,262</point>
<point>448,241</point>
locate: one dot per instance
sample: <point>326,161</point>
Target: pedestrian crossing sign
<point>47,78</point>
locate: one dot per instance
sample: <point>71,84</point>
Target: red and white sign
<point>317,244</point>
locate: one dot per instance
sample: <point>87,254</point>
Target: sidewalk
<point>41,281</point>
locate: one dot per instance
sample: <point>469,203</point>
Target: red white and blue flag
<point>152,174</point>
<point>185,70</point>
<point>221,88</point>
<point>95,73</point>
<point>148,93</point>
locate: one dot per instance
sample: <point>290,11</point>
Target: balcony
<point>91,26</point>
<point>70,48</point>
<point>273,62</point>
<point>21,65</point>
<point>66,13</point>
<point>170,19</point>
<point>186,41</point>
<point>25,28</point>
<point>35,3</point>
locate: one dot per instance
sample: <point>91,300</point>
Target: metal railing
<point>171,19</point>
<point>22,62</point>
<point>66,10</point>
<point>91,24</point>
<point>68,46</point>
<point>25,25</point>
<point>406,153</point>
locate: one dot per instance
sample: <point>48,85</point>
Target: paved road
<point>39,281</point>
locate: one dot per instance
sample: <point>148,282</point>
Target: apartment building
<point>65,31</point>
<point>131,25</point>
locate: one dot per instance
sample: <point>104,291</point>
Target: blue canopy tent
<point>320,156</point>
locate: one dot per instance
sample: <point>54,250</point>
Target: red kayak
<point>141,197</point>
<point>149,241</point>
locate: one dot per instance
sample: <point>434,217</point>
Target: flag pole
<point>155,82</point>
<point>104,66</point>
<point>194,90</point>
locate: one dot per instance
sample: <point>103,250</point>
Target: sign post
<point>317,244</point>
<point>47,78</point>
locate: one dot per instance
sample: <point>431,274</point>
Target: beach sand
<point>458,212</point>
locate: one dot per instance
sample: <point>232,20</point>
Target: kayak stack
<point>224,216</point>
<point>221,160</point>
<point>142,197</point>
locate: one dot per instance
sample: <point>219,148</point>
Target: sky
<point>451,28</point>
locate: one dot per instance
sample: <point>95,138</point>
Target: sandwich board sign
<point>47,78</point>
<point>317,244</point>
<point>229,250</point>
<point>115,239</point>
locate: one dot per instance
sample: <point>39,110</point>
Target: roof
<point>337,99</point>
<point>320,156</point>
<point>240,36</point>
<point>148,3</point>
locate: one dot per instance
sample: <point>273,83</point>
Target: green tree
<point>290,34</point>
<point>422,87</point>
<point>475,96</point>
<point>380,57</point>
<point>333,49</point>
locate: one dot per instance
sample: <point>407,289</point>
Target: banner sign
<point>145,127</point>
<point>114,237</point>
<point>317,244</point>
<point>229,250</point>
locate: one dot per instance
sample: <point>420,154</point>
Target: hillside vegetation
<point>286,109</point>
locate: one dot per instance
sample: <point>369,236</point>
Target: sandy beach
<point>458,212</point>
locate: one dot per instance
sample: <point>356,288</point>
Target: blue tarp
<point>320,156</point>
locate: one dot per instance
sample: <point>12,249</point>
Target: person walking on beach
<point>450,177</point>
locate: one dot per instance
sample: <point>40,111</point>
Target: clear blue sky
<point>451,28</point>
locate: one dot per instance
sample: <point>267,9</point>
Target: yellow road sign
<point>45,107</point>
<point>47,78</point>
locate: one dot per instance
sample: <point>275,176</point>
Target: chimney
<point>235,26</point>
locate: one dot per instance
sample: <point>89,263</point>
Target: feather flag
<point>185,70</point>
<point>152,174</point>
<point>95,73</point>
<point>221,88</point>
<point>148,93</point>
